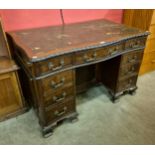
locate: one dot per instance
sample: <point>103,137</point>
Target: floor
<point>130,121</point>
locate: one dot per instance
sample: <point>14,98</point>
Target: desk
<point>59,62</point>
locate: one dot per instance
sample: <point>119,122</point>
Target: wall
<point>20,19</point>
<point>72,16</point>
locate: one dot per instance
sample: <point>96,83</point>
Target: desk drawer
<point>126,84</point>
<point>58,96</point>
<point>129,70</point>
<point>90,55</point>
<point>135,43</point>
<point>57,81</point>
<point>55,112</point>
<point>53,64</point>
<point>97,54</point>
<point>132,57</point>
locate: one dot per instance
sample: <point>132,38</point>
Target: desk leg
<point>115,99</point>
<point>74,118</point>
<point>133,91</point>
<point>48,131</point>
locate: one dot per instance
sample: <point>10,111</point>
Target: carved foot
<point>132,92</point>
<point>115,99</point>
<point>47,133</point>
<point>73,119</point>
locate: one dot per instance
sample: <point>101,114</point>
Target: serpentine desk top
<point>46,42</point>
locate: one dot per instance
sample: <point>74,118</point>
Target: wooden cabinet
<point>144,19</point>
<point>11,99</point>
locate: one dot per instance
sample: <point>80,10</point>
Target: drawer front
<point>129,70</point>
<point>132,57</point>
<point>126,84</point>
<point>90,55</point>
<point>97,54</point>
<point>115,49</point>
<point>53,64</point>
<point>55,112</point>
<point>59,96</point>
<point>58,87</point>
<point>135,43</point>
<point>58,81</point>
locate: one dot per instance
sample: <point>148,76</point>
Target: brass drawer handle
<point>57,85</point>
<point>130,60</point>
<point>51,66</point>
<point>114,51</point>
<point>90,59</point>
<point>134,44</point>
<point>130,71</point>
<point>131,45</point>
<point>60,98</point>
<point>57,113</point>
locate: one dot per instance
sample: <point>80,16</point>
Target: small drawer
<point>126,84</point>
<point>90,55</point>
<point>58,96</point>
<point>135,43</point>
<point>129,70</point>
<point>58,81</point>
<point>53,64</point>
<point>132,57</point>
<point>115,49</point>
<point>56,112</point>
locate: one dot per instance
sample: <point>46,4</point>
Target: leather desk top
<point>45,42</point>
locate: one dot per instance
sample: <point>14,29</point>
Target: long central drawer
<point>97,54</point>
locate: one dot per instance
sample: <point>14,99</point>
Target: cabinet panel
<point>10,99</point>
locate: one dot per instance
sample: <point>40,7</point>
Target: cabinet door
<point>10,97</point>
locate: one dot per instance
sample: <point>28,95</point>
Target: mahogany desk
<point>60,61</point>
